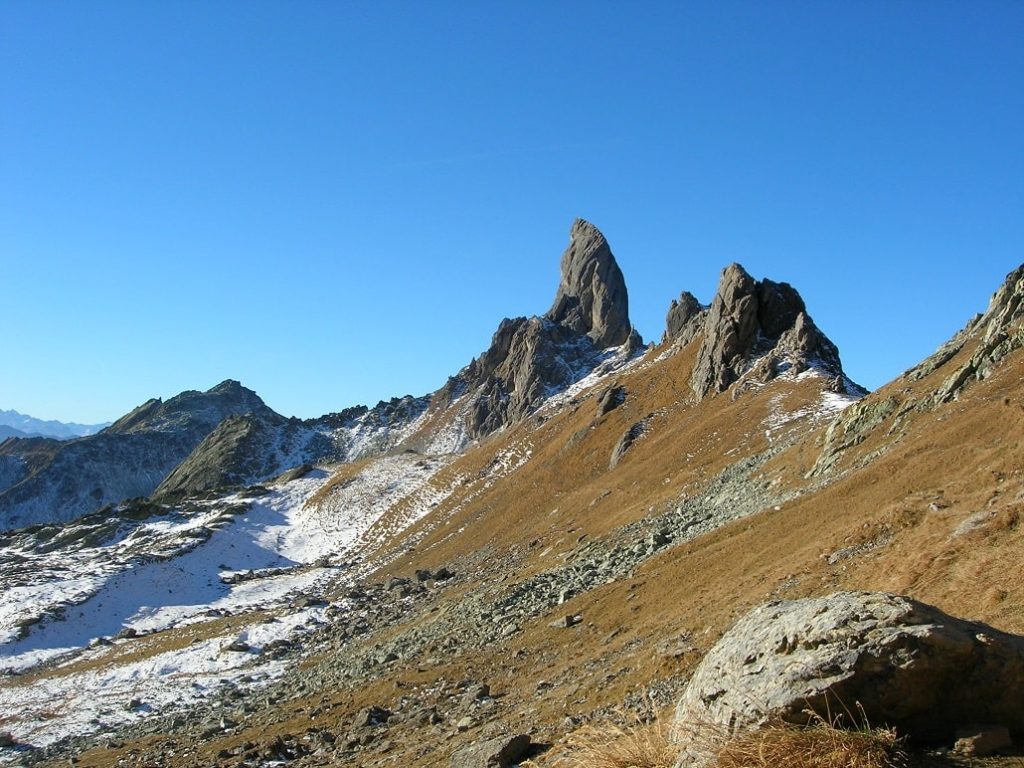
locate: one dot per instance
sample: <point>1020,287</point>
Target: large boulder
<point>857,656</point>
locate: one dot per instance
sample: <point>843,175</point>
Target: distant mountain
<point>6,432</point>
<point>47,480</point>
<point>29,426</point>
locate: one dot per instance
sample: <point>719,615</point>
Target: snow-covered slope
<point>83,598</point>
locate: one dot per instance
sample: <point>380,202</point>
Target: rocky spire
<point>531,359</point>
<point>591,296</point>
<point>755,330</point>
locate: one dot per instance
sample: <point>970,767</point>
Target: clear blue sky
<point>337,202</point>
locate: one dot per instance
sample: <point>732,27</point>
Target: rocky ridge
<point>253,447</point>
<point>969,357</point>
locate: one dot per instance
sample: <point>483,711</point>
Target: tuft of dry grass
<point>816,746</point>
<point>642,746</point>
<point>781,745</point>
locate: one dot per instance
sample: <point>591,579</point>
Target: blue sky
<point>337,202</point>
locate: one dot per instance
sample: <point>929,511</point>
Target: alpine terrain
<point>576,532</point>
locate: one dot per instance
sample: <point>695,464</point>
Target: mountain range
<point>14,424</point>
<point>557,535</point>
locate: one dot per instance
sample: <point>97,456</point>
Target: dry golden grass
<point>816,746</point>
<point>643,746</point>
<point>773,746</point>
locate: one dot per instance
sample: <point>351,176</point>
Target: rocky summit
<point>574,539</point>
<point>530,359</point>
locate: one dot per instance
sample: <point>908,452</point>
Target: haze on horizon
<point>336,204</point>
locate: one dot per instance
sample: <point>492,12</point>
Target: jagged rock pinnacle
<point>685,319</point>
<point>591,296</point>
<point>756,329</point>
<point>531,358</point>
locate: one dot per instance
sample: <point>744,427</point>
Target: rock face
<point>756,330</point>
<point>889,659</point>
<point>57,481</point>
<point>533,358</point>
<point>591,296</point>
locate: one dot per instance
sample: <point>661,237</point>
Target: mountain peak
<point>228,387</point>
<point>591,297</point>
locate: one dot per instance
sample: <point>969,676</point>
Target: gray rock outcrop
<point>624,443</point>
<point>857,655</point>
<point>685,319</point>
<point>531,359</point>
<point>756,330</point>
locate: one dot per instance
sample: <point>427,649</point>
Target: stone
<point>7,739</point>
<point>371,717</point>
<point>564,622</point>
<point>127,633</point>
<point>464,724</point>
<point>982,740</point>
<point>885,658</point>
<point>609,400</point>
<point>238,646</point>
<point>498,752</point>
<point>630,436</point>
<point>477,692</point>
